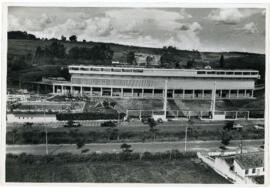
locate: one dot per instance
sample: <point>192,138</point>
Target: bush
<point>86,116</point>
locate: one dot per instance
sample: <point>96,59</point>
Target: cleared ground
<point>161,171</point>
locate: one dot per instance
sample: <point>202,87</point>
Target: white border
<point>126,3</point>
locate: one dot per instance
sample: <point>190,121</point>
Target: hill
<point>26,64</point>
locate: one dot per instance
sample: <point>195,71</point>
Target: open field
<point>186,170</point>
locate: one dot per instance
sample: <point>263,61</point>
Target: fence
<point>204,115</point>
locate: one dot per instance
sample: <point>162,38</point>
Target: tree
<point>63,38</point>
<point>57,50</point>
<point>108,133</point>
<point>73,38</point>
<point>169,57</point>
<point>131,58</point>
<point>228,126</point>
<point>105,104</point>
<point>14,132</point>
<point>152,124</point>
<point>191,64</point>
<point>74,53</point>
<point>70,123</point>
<point>115,134</point>
<point>20,35</point>
<point>112,104</point>
<point>126,148</point>
<point>221,61</point>
<point>225,138</point>
<point>80,143</point>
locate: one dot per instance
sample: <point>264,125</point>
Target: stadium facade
<point>120,82</point>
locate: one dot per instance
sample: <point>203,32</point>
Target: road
<point>248,145</point>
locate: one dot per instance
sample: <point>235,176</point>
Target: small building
<point>245,168</point>
<point>30,117</point>
<point>150,60</point>
<point>17,97</point>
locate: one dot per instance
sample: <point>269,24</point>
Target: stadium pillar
<point>53,89</point>
<point>81,91</point>
<point>252,92</point>
<point>193,94</point>
<point>183,93</point>
<point>111,91</point>
<point>153,93</point>
<point>165,98</point>
<point>142,92</point>
<point>62,89</point>
<point>202,94</point>
<point>122,92</point>
<point>71,90</point>
<point>245,95</point>
<point>91,91</point>
<point>229,94</point>
<point>220,93</point>
<point>237,93</point>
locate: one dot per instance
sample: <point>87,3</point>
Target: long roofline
<point>165,69</point>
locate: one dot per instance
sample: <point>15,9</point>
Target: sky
<point>203,29</point>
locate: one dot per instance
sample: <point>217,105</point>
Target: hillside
<point>24,65</point>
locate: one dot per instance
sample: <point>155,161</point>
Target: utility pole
<point>165,98</point>
<point>241,142</point>
<point>186,139</point>
<point>213,102</point>
<point>46,132</point>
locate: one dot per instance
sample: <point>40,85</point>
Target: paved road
<point>248,145</point>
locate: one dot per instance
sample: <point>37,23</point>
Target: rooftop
<point>247,160</point>
<point>250,160</point>
<point>81,69</point>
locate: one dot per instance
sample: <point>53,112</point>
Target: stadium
<point>118,82</point>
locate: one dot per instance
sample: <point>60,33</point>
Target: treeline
<point>21,35</point>
<point>56,49</point>
<point>89,116</point>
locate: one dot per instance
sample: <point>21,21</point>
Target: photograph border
<point>132,4</point>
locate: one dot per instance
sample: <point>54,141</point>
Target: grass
<point>174,132</point>
<point>144,171</point>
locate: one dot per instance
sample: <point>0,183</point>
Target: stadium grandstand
<point>119,82</point>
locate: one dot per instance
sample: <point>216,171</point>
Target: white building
<point>31,118</point>
<point>17,97</point>
<point>150,83</point>
<point>246,168</point>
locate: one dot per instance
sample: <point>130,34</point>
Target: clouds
<point>33,24</point>
<point>151,27</point>
<point>250,28</point>
<point>231,16</point>
<point>226,16</point>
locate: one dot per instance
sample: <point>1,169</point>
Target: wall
<point>173,83</point>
